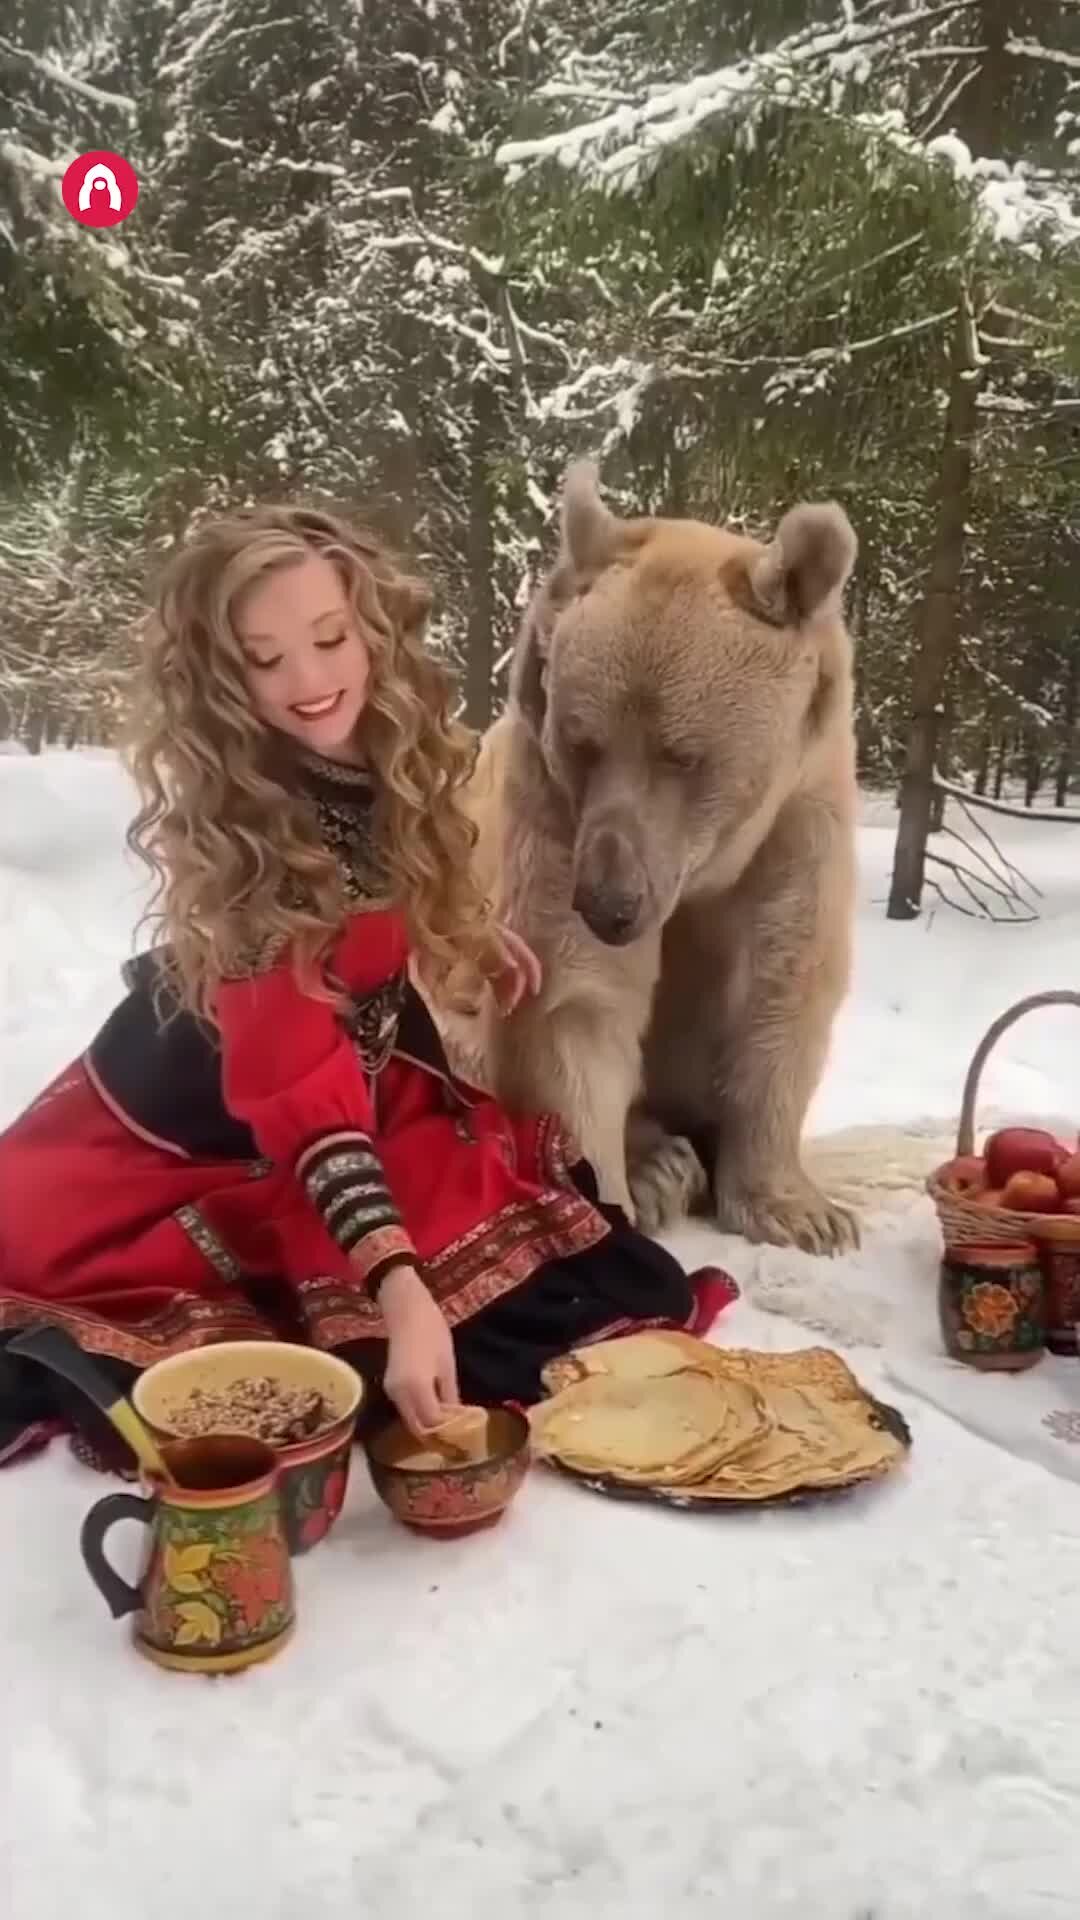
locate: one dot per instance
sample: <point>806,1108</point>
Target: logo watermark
<point>100,189</point>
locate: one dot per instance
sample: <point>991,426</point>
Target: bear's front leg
<point>794,974</point>
<point>575,1060</point>
<point>667,1177</point>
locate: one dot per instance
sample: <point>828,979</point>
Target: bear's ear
<point>527,681</point>
<point>804,570</point>
<point>589,541</point>
<point>590,533</point>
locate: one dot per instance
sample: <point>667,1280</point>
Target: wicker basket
<point>962,1222</point>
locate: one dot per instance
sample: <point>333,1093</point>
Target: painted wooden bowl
<point>315,1469</point>
<point>449,1502</point>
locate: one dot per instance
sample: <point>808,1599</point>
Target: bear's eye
<point>681,759</point>
<point>582,747</point>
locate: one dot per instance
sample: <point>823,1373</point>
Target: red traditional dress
<point>179,1185</point>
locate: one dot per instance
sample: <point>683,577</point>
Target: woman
<point>265,1137</point>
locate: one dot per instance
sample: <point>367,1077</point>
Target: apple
<point>967,1173</point>
<point>989,1197</point>
<point>1067,1175</point>
<point>1031,1193</point>
<point>1021,1150</point>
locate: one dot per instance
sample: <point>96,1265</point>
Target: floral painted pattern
<point>319,1519</point>
<point>219,1581</point>
<point>447,1498</point>
<point>988,1317</point>
<point>451,1502</point>
<point>313,1496</point>
<point>990,1309</point>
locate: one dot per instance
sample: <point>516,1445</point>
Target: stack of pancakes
<point>668,1412</point>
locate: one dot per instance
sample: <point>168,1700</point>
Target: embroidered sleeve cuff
<point>344,1180</point>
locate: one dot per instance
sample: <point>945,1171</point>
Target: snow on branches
<point>819,70</point>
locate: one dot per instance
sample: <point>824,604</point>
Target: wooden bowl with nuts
<point>303,1402</point>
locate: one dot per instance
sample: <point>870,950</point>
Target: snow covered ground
<point>870,1712</point>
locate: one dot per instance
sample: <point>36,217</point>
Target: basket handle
<point>965,1133</point>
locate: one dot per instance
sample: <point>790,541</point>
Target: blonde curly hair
<point>239,867</point>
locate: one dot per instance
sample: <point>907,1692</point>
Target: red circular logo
<point>100,189</point>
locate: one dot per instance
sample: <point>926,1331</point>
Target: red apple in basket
<point>1021,1150</point>
<point>1067,1175</point>
<point>1031,1193</point>
<point>989,1197</point>
<point>967,1173</point>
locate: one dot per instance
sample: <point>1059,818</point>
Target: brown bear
<point>666,812</point>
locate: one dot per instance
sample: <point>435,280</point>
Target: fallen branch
<point>979,908</point>
<point>1060,816</point>
<point>1014,877</point>
<point>1005,879</point>
<point>970,880</point>
<point>946,901</point>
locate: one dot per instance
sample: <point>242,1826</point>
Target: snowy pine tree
<point>890,200</point>
<point>411,263</point>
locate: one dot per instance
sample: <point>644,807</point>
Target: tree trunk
<point>943,757</point>
<point>32,728</point>
<point>937,621</point>
<point>1063,777</point>
<point>982,768</point>
<point>677,495</point>
<point>999,770</point>
<point>978,113</point>
<point>1033,776</point>
<point>480,631</point>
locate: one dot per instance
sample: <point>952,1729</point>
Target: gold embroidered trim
<point>369,1192</point>
<point>347,833</point>
<point>210,1245</point>
<point>374,1250</point>
<point>319,1175</point>
<point>186,1322</point>
<point>349,1189</point>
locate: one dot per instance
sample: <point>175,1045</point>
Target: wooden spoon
<point>53,1348</point>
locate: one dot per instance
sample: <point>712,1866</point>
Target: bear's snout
<point>611,889</point>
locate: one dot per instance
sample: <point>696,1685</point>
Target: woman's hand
<point>520,973</point>
<point>421,1372</point>
<point>515,972</point>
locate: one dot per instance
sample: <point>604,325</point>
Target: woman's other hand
<point>520,974</point>
<point>421,1372</point>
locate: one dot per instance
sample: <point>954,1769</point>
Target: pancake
<point>463,1435</point>
<point>814,1443</point>
<point>632,1356</point>
<point>807,1425</point>
<point>669,1431</point>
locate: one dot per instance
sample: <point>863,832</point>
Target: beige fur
<point>666,812</point>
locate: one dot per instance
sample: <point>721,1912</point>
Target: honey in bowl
<point>463,1435</point>
<point>428,1460</point>
<point>432,1493</point>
